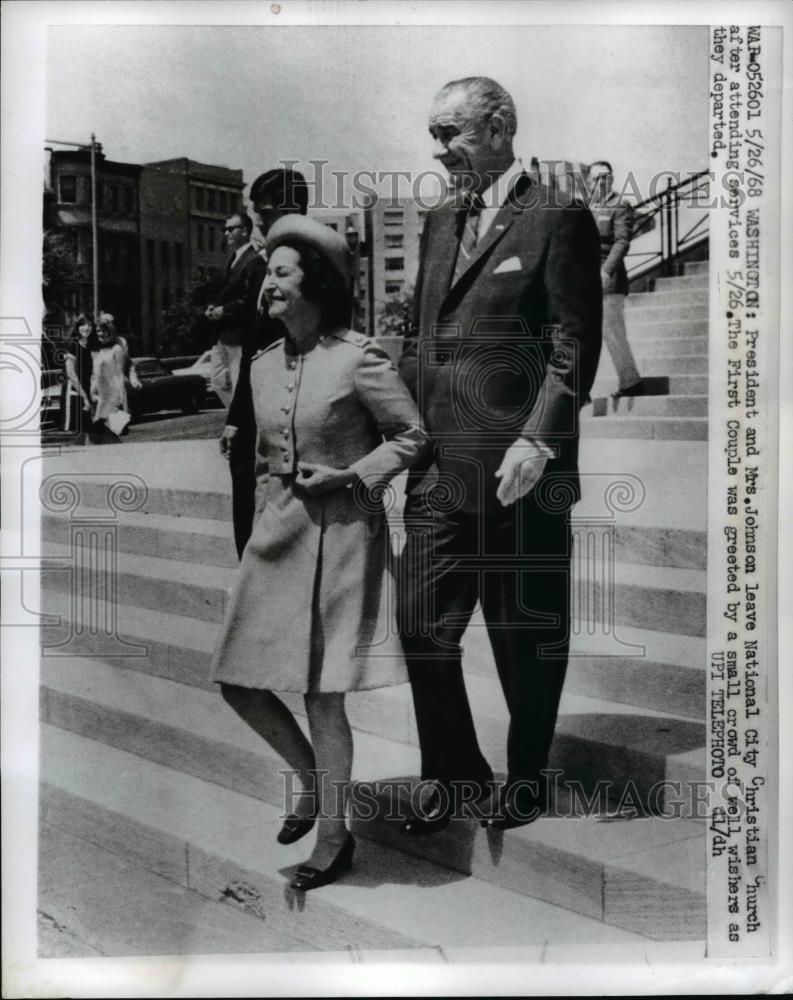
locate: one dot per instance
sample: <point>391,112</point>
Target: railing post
<point>669,212</point>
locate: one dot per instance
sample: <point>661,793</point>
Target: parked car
<point>180,362</point>
<point>162,390</point>
<point>203,367</point>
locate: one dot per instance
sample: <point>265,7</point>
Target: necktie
<point>468,236</point>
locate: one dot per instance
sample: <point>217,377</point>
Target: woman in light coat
<point>311,611</point>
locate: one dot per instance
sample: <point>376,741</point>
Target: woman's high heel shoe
<point>295,827</point>
<point>307,877</point>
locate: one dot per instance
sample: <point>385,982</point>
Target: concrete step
<point>650,427</point>
<point>682,364</point>
<point>645,668</point>
<point>164,536</point>
<point>683,281</point>
<point>640,599</point>
<point>664,347</point>
<point>207,542</point>
<point>650,406</point>
<point>679,385</point>
<point>638,326</point>
<point>672,311</point>
<point>607,749</point>
<point>696,267</point>
<point>221,844</point>
<point>666,297</point>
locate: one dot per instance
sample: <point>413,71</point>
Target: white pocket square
<point>510,264</point>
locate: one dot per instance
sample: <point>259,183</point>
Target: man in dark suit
<point>273,194</point>
<point>614,219</point>
<point>503,350</point>
<point>234,314</point>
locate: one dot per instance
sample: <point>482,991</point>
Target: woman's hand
<point>319,479</point>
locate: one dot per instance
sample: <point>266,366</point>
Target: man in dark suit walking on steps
<point>503,350</point>
<point>274,193</point>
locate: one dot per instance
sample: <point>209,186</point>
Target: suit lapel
<point>498,229</point>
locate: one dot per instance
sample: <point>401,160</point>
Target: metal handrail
<point>665,205</point>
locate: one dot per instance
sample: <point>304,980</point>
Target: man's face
<point>235,232</point>
<point>600,180</point>
<point>463,145</point>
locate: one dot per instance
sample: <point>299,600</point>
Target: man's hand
<point>214,312</point>
<point>227,441</point>
<point>520,469</point>
<point>319,479</point>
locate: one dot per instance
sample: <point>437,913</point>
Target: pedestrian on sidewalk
<point>311,609</point>
<point>76,391</point>
<point>275,193</point>
<point>614,218</point>
<point>111,366</point>
<point>234,314</point>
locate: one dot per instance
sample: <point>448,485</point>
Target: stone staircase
<point>668,331</point>
<point>141,756</point>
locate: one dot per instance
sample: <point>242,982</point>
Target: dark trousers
<point>516,562</point>
<point>243,492</point>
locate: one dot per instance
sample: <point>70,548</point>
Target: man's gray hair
<point>485,98</point>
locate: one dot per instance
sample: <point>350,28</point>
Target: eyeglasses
<point>230,229</point>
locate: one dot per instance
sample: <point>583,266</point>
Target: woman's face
<point>104,334</point>
<point>84,330</point>
<point>282,284</point>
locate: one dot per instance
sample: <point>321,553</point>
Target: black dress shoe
<point>437,814</point>
<point>308,877</point>
<point>295,827</point>
<point>637,389</point>
<point>514,811</point>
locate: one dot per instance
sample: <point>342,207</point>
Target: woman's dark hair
<point>322,284</point>
<point>74,336</point>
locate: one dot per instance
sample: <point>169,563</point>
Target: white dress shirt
<point>495,195</point>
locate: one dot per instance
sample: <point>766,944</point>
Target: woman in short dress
<point>111,363</point>
<point>311,608</point>
<point>76,392</point>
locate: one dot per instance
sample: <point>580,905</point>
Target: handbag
<point>117,421</point>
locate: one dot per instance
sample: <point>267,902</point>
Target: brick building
<point>67,209</point>
<point>183,206</point>
<point>392,233</point>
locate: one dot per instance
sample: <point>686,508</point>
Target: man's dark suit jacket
<point>614,219</point>
<point>511,349</point>
<point>238,293</point>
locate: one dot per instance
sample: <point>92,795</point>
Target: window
<point>165,255</point>
<point>211,236</point>
<point>223,202</point>
<point>150,254</point>
<point>86,182</point>
<point>152,307</point>
<point>199,236</point>
<point>114,192</point>
<point>178,257</point>
<point>68,188</point>
<point>166,298</point>
<point>211,200</point>
<point>333,226</point>
<point>394,240</point>
<point>395,263</point>
<point>393,287</point>
<point>129,200</point>
<point>199,198</point>
<point>393,217</point>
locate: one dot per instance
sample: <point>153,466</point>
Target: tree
<point>186,331</point>
<point>62,273</point>
<point>393,316</point>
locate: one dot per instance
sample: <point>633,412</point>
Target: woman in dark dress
<point>76,390</point>
<point>312,608</point>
